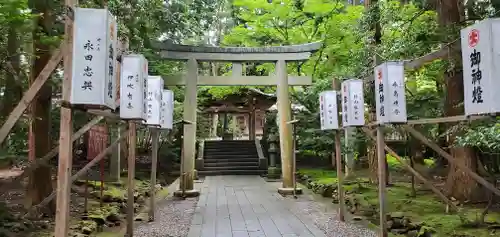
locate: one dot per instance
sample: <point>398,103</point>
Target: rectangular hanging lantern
<point>94,58</point>
<point>133,87</point>
<point>481,67</point>
<point>154,99</point>
<point>167,110</point>
<point>390,93</point>
<point>328,113</point>
<point>353,103</point>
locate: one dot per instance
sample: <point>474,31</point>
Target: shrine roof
<point>238,102</point>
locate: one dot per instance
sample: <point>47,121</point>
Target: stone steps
<point>230,158</point>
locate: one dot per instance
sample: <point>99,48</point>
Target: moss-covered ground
<point>424,208</point>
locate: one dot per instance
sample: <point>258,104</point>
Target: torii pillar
<point>285,130</point>
<point>186,184</point>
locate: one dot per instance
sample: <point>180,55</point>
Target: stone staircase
<point>231,157</point>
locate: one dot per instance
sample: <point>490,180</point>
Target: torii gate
<point>236,55</point>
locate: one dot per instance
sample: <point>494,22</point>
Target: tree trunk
<point>416,153</point>
<point>13,89</point>
<point>459,184</point>
<point>40,182</point>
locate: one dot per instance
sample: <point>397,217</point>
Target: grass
<point>425,207</point>
<point>322,176</point>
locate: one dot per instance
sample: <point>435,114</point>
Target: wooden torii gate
<point>279,55</point>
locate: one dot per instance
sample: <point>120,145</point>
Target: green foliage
<point>484,137</point>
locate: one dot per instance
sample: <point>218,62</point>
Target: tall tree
<point>460,185</point>
<point>40,182</point>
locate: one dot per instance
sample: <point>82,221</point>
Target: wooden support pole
<point>78,174</point>
<point>32,92</point>
<point>451,159</point>
<point>65,162</point>
<point>415,173</point>
<point>338,161</point>
<point>130,177</point>
<point>38,162</point>
<point>154,166</point>
<point>381,180</point>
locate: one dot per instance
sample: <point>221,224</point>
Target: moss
<point>426,207</point>
<point>87,226</point>
<point>101,214</point>
<point>317,174</point>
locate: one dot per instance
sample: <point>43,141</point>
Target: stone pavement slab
<point>246,206</point>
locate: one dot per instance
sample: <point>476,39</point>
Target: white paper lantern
<point>94,58</point>
<point>154,99</point>
<point>390,93</point>
<point>353,103</point>
<point>167,109</point>
<point>133,87</point>
<point>329,118</point>
<point>481,67</point>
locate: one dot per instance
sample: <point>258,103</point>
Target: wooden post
<point>338,159</point>
<point>381,180</point>
<point>154,165</point>
<point>65,162</point>
<point>130,178</point>
<point>115,162</point>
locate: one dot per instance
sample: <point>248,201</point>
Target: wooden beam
<point>81,172</point>
<point>154,166</point>
<point>415,173</point>
<point>132,133</point>
<point>413,64</point>
<point>450,119</point>
<point>180,80</point>
<point>38,162</point>
<point>439,54</point>
<point>231,57</point>
<point>104,113</point>
<point>65,161</point>
<point>31,93</point>
<point>452,159</point>
<point>338,161</point>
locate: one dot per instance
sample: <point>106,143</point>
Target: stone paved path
<point>246,206</point>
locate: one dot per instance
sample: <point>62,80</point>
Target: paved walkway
<point>246,206</point>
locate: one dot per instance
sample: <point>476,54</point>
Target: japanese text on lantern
<point>390,100</point>
<point>475,63</point>
<point>328,110</point>
<point>155,87</point>
<point>167,109</point>
<point>345,104</point>
<point>380,90</point>
<point>92,81</point>
<point>132,87</point>
<point>353,103</point>
<point>480,59</point>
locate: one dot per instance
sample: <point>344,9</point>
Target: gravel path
<point>173,218</point>
<point>324,215</point>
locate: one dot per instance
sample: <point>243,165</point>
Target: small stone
<point>399,231</point>
<point>397,214</point>
<point>87,230</point>
<point>412,233</point>
<point>357,218</point>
